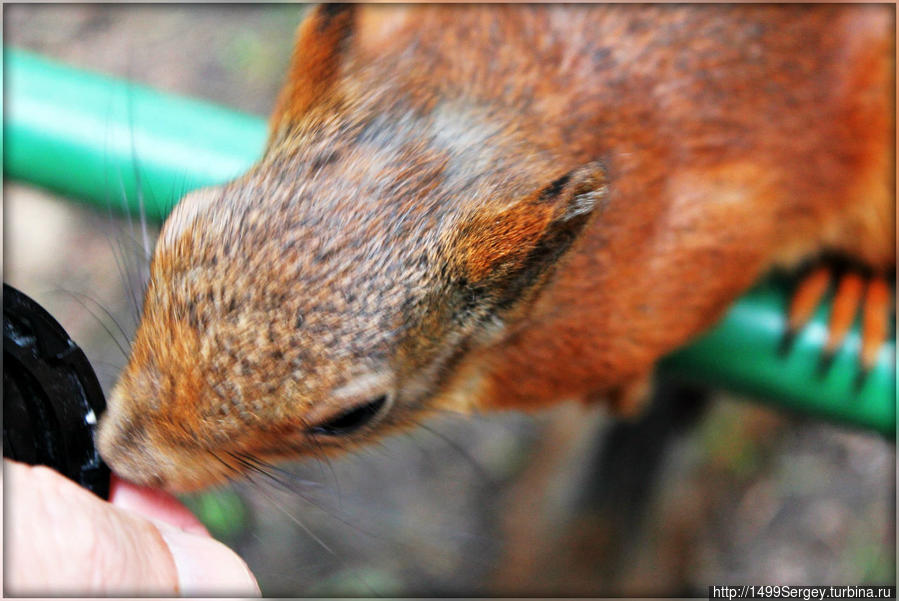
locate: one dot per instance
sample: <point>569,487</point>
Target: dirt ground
<point>506,503</point>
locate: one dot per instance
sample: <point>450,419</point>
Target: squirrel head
<point>330,294</point>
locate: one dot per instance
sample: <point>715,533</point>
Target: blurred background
<point>704,489</point>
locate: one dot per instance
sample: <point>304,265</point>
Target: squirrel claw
<point>825,362</point>
<point>860,378</point>
<point>786,343</point>
<point>853,295</point>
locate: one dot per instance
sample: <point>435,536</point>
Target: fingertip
<point>207,567</point>
<point>154,504</point>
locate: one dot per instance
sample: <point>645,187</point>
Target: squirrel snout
<point>121,441</point>
<point>137,447</point>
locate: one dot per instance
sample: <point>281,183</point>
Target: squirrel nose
<point>121,442</point>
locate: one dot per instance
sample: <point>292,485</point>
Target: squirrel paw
<point>854,291</point>
<point>629,399</point>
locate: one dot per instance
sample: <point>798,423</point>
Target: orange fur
<point>845,308</point>
<point>875,321</point>
<point>807,297</point>
<point>501,206</point>
<point>315,67</point>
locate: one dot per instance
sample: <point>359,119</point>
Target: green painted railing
<point>101,140</point>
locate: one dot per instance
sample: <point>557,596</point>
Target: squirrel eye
<point>353,419</point>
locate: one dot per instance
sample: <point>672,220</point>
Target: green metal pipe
<point>103,140</point>
<point>742,354</point>
<point>88,136</point>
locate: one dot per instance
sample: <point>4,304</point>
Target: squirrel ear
<point>577,193</point>
<point>507,254</point>
<point>322,40</point>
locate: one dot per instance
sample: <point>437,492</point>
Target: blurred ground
<point>481,506</point>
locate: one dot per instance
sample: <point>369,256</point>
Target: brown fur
<point>501,206</point>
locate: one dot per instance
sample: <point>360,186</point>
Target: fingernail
<point>206,567</point>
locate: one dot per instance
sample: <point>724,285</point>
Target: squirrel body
<point>482,207</point>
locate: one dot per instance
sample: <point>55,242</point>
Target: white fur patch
<point>185,213</point>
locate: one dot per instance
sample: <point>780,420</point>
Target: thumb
<point>64,540</point>
<point>205,566</point>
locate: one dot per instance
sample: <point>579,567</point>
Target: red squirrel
<point>504,206</point>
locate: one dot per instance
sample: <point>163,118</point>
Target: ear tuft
<point>327,11</point>
<point>322,41</point>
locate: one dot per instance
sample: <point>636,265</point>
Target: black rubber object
<point>51,396</point>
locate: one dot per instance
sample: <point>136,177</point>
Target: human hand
<point>62,539</point>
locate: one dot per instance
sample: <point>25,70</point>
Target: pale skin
<point>63,540</point>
